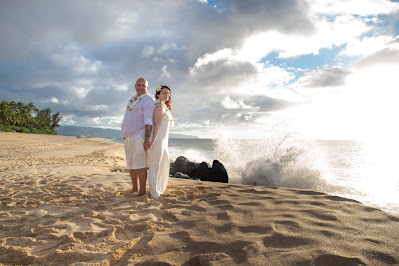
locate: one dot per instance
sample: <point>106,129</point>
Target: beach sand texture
<point>61,204</point>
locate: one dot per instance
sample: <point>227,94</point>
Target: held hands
<point>151,144</point>
<point>146,144</point>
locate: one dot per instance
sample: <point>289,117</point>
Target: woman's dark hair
<point>169,102</point>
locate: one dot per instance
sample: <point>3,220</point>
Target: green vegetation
<point>27,118</point>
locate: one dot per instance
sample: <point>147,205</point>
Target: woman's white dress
<point>158,159</point>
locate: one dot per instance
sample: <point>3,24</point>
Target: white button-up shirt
<point>134,121</point>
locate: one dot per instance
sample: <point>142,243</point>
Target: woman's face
<point>164,95</point>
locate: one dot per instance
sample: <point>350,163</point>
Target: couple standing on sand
<point>145,129</point>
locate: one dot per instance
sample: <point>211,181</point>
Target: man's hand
<point>146,143</point>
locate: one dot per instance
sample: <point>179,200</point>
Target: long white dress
<point>158,159</point>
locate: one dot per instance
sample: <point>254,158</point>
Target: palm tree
<point>43,118</point>
<point>56,118</point>
<point>30,111</point>
<point>5,113</point>
<point>13,107</point>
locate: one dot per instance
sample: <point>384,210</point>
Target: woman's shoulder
<point>158,108</point>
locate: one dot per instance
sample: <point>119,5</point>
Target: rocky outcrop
<point>219,172</point>
<point>201,171</point>
<point>184,166</point>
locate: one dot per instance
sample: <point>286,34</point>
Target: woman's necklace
<point>134,100</point>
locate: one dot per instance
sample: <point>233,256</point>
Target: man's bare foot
<point>134,191</point>
<point>141,194</point>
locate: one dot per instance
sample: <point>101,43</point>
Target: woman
<point>158,153</point>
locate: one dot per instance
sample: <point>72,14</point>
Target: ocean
<point>351,169</point>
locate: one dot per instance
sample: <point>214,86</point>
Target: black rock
<point>184,166</point>
<point>203,172</point>
<point>218,172</point>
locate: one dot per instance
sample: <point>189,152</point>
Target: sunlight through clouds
<point>324,68</point>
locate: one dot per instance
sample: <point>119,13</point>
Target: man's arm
<point>148,113</point>
<point>148,129</point>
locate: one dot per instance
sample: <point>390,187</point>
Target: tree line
<point>27,118</point>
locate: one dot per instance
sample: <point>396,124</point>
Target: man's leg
<point>143,180</point>
<point>134,175</point>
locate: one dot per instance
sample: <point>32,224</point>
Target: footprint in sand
<point>210,259</point>
<point>329,259</point>
<point>278,240</point>
<point>169,217</point>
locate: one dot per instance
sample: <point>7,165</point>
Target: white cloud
<point>167,46</point>
<point>341,30</point>
<point>121,87</point>
<point>95,120</point>
<point>148,50</point>
<point>81,92</point>
<point>165,72</point>
<point>68,120</point>
<point>208,58</point>
<point>54,100</point>
<point>368,45</point>
<point>230,104</point>
<point>358,7</point>
<point>229,66</point>
<point>71,56</point>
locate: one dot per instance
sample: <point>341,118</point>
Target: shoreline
<point>60,203</point>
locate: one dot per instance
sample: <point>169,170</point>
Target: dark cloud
<point>387,55</point>
<point>267,104</point>
<point>325,77</point>
<point>243,111</point>
<point>221,74</point>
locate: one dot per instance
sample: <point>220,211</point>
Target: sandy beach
<point>62,204</point>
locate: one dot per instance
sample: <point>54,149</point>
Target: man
<point>136,131</point>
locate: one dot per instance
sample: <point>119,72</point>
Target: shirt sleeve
<point>124,125</point>
<point>148,110</point>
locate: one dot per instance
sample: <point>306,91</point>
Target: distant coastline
<point>105,132</point>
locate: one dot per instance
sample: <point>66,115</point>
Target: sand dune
<point>61,204</point>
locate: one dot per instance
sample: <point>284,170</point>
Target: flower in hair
<point>159,88</point>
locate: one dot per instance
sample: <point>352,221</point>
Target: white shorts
<point>135,153</point>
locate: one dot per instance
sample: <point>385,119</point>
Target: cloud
<point>367,45</point>
<point>227,71</point>
<point>148,50</point>
<point>356,7</point>
<point>229,104</point>
<point>59,55</point>
<point>54,100</point>
<point>165,73</point>
<point>328,76</point>
<point>327,33</point>
<point>385,56</point>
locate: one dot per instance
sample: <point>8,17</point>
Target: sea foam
<point>281,160</point>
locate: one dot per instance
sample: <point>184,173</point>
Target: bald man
<point>136,131</point>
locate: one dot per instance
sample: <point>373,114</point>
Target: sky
<point>324,69</point>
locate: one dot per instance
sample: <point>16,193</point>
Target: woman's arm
<point>158,114</point>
